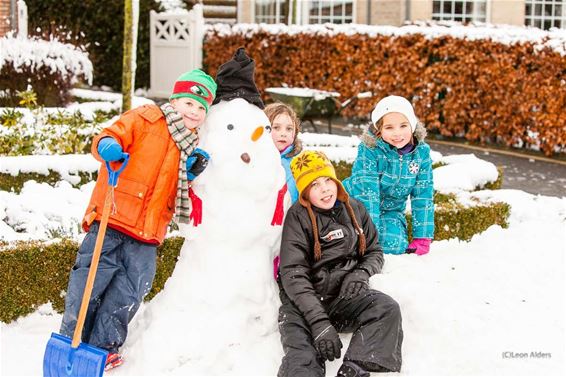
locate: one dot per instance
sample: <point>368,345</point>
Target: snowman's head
<point>236,134</point>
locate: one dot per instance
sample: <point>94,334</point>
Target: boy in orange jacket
<point>162,144</point>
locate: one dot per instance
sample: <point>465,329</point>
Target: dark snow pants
<point>373,317</point>
<point>124,276</point>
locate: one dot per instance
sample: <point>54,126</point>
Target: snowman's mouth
<point>246,158</point>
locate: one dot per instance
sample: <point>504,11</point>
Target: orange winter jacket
<point>146,190</point>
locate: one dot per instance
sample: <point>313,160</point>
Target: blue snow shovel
<point>64,357</point>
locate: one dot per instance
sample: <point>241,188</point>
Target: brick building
<point>7,15</point>
<point>539,13</point>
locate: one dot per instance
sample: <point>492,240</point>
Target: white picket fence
<point>175,48</point>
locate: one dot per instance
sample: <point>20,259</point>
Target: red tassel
<point>196,204</point>
<point>279,211</point>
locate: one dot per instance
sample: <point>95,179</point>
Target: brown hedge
<point>481,90</point>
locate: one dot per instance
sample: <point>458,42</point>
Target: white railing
<point>175,47</point>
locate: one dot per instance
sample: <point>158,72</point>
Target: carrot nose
<point>257,133</point>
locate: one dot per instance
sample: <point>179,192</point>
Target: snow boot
<point>351,369</point>
<point>113,360</point>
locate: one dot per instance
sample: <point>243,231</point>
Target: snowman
<point>218,310</point>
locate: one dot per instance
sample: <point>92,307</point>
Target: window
<point>333,11</point>
<point>459,10</point>
<point>271,11</point>
<point>545,14</point>
<point>306,11</point>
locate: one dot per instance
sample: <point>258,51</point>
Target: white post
<point>196,31</point>
<point>22,19</point>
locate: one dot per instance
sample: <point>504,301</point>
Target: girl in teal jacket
<point>394,164</point>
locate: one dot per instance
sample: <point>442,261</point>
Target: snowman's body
<point>221,300</point>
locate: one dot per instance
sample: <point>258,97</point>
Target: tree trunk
<point>131,15</point>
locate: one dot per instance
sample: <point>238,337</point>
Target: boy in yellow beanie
<point>329,249</point>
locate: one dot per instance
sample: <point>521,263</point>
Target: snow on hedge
<point>43,212</point>
<point>463,172</point>
<point>36,53</point>
<point>507,34</point>
<point>68,166</point>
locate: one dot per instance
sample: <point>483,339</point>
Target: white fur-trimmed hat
<point>395,104</point>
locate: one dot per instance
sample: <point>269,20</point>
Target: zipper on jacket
<point>400,168</point>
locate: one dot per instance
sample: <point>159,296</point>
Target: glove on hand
<point>196,163</point>
<point>109,149</point>
<point>354,283</point>
<point>420,246</point>
<point>326,340</point>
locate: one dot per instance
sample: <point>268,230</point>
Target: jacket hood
<point>297,148</point>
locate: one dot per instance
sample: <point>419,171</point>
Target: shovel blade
<point>62,360</point>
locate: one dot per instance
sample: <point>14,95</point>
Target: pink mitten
<point>422,245</point>
<point>275,267</point>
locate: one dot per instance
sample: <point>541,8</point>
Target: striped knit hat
<point>197,85</point>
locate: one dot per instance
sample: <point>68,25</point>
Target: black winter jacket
<point>311,284</point>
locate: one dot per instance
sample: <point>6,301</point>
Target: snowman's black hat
<point>235,79</point>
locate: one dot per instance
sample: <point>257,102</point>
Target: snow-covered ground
<point>491,306</point>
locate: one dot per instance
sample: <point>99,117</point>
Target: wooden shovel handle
<point>93,267</point>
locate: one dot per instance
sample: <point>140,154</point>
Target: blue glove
<point>196,163</point>
<point>109,149</point>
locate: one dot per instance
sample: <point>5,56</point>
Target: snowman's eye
<point>230,127</point>
<point>268,128</point>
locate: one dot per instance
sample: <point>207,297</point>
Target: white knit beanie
<point>394,104</point>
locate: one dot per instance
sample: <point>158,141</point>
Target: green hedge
<point>9,182</point>
<point>51,86</point>
<point>102,24</point>
<point>453,220</point>
<point>34,273</point>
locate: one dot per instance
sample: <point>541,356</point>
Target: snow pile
<point>463,172</point>
<point>506,34</point>
<point>36,53</point>
<point>43,212</point>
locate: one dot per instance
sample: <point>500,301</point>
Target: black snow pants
<point>373,317</point>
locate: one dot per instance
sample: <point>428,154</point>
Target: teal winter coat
<point>383,180</point>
